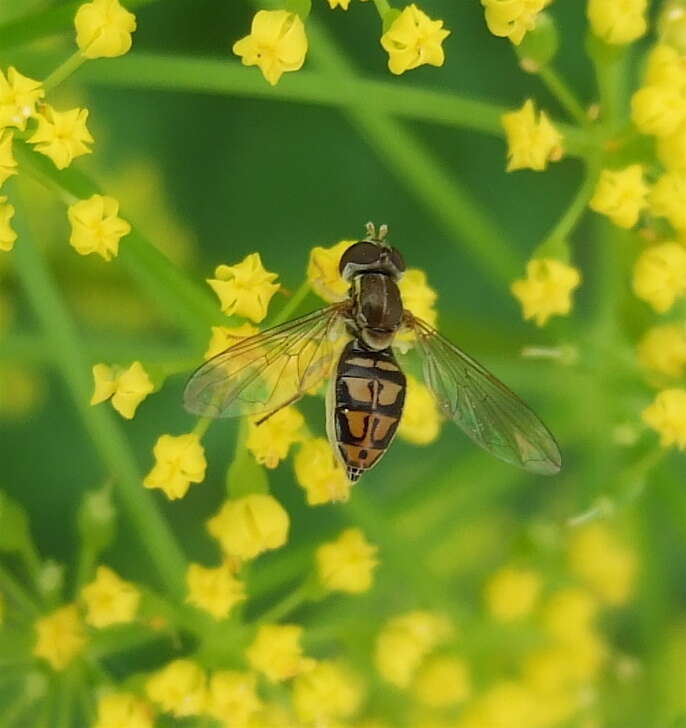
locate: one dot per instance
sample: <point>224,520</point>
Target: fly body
<point>263,373</point>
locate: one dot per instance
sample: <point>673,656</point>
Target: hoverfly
<point>268,371</point>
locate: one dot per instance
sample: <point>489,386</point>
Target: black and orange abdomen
<point>368,403</point>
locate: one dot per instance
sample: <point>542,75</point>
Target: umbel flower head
<point>126,389</point>
<point>413,40</point>
<point>348,563</point>
<point>245,289</point>
<point>276,652</point>
<point>215,590</point>
<point>179,688</point>
<point>62,135</point>
<point>109,599</point>
<point>18,97</point>
<point>660,275</point>
<point>179,461</point>
<point>618,21</point>
<point>547,288</point>
<point>532,140</point>
<point>103,29</point>
<point>96,226</point>
<point>60,636</point>
<point>621,195</point>
<point>277,43</point>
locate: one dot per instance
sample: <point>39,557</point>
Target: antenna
<point>372,234</point>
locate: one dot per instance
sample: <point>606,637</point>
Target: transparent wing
<point>268,370</point>
<point>493,416</point>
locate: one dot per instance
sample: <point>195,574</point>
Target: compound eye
<point>397,259</point>
<point>363,253</point>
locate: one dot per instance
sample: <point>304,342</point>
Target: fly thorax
<point>378,308</point>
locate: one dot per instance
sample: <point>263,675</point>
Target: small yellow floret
<point>249,526</point>
<point>547,289</point>
<point>418,296</point>
<point>109,599</point>
<point>569,613</point>
<point>215,590</point>
<point>233,698</point>
<point>326,692</point>
<point>667,416</point>
<point>421,420</point>
<point>608,566</point>
<point>244,289</point>
<point>179,688</point>
<point>127,388</point>
<point>348,563</point>
<point>8,164</point>
<point>18,98</point>
<point>123,710</point>
<point>532,140</point>
<point>512,593</point>
<point>319,473</point>
<point>60,636</point>
<point>663,349</point>
<point>62,135</point>
<point>179,461</point>
<point>277,43</point>
<point>96,226</point>
<point>413,40</point>
<point>276,652</point>
<point>443,681</point>
<point>271,440</point>
<point>322,271</point>
<point>7,234</point>
<point>671,150</point>
<point>103,29</point>
<point>668,198</point>
<point>225,336</point>
<point>618,21</point>
<point>404,642</point>
<point>621,195</point>
<point>512,18</point>
<point>660,275</point>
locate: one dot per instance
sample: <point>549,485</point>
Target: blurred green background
<point>209,177</point>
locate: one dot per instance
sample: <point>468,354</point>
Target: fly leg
<point>292,400</point>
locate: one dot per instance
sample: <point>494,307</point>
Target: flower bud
<point>540,45</point>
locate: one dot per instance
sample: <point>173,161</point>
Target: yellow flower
<point>659,106</point>
<point>667,416</point>
<point>322,271</point>
<point>179,461</point>
<point>277,43</point>
<point>512,593</point>
<point>95,226</point>
<point>249,526</point>
<point>404,642</point>
<point>318,471</point>
<point>60,636</point>
<point>270,441</point>
<point>413,40</point>
<point>621,195</point>
<point>232,697</point>
<point>443,681</point>
<point>348,563</point>
<point>123,710</point>
<point>421,420</point>
<point>246,288</point>
<point>546,290</point>
<point>62,135</point>
<point>276,652</point>
<point>8,164</point>
<point>327,691</point>
<point>512,18</point>
<point>569,613</point>
<point>216,590</point>
<point>618,21</point>
<point>607,565</point>
<point>18,97</point>
<point>126,387</point>
<point>225,336</point>
<point>668,198</point>
<point>7,234</point>
<point>103,29</point>
<point>179,688</point>
<point>663,349</point>
<point>671,150</point>
<point>418,296</point>
<point>660,275</point>
<point>109,599</point>
<point>507,704</point>
<point>532,140</point>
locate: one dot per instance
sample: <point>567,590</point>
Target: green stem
<point>107,437</point>
<point>16,592</point>
<point>287,311</point>
<point>382,7</point>
<point>294,599</point>
<point>559,88</point>
<point>64,70</point>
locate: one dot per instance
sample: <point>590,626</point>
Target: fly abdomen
<point>369,399</point>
